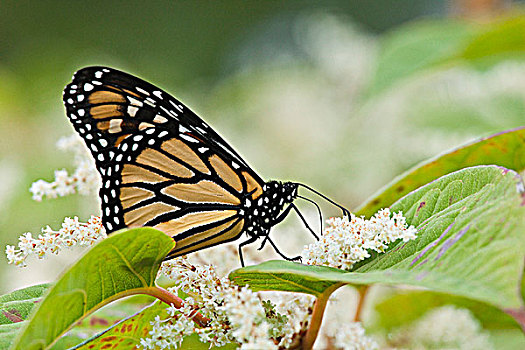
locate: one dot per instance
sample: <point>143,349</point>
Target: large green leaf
<point>503,38</point>
<point>397,311</point>
<point>417,47</point>
<point>103,319</point>
<point>471,236</point>
<point>405,307</point>
<point>125,263</point>
<point>429,45</point>
<point>15,308</point>
<point>506,149</point>
<point>127,333</point>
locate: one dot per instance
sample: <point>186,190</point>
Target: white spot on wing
<point>177,107</point>
<point>139,89</point>
<point>158,94</point>
<point>150,101</point>
<point>159,119</point>
<point>189,138</point>
<point>132,110</point>
<point>173,114</point>
<point>135,102</point>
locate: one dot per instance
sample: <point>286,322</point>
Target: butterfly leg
<point>282,216</point>
<point>304,221</point>
<point>277,220</point>
<point>249,241</point>
<point>297,258</point>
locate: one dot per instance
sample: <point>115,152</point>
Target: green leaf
<point>417,47</point>
<point>15,308</point>
<point>471,235</point>
<point>403,308</point>
<point>429,45</point>
<point>101,320</point>
<point>502,38</point>
<point>506,149</point>
<point>125,263</point>
<point>127,333</point>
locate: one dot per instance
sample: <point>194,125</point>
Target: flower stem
<point>317,316</point>
<point>171,299</point>
<point>363,290</point>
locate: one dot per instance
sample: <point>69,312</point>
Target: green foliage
<point>15,308</point>
<point>420,48</point>
<point>127,332</point>
<point>471,232</point>
<point>416,48</point>
<point>471,229</point>
<point>506,149</point>
<point>125,263</point>
<point>406,307</point>
<point>503,38</point>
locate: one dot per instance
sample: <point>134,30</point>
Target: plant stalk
<point>363,290</point>
<point>317,317</point>
<point>171,299</point>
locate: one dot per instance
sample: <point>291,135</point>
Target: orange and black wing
<point>161,165</point>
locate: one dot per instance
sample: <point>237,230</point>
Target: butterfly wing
<point>161,165</point>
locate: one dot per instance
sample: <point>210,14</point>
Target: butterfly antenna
<point>318,210</point>
<point>345,211</point>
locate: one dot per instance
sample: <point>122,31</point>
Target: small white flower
<point>352,336</point>
<point>345,242</point>
<point>446,327</point>
<point>72,233</point>
<point>236,314</point>
<point>84,180</point>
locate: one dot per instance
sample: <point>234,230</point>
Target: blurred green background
<point>341,95</point>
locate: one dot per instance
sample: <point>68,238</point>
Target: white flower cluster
<point>72,233</point>
<point>446,327</point>
<point>352,336</point>
<point>297,309</point>
<point>84,180</point>
<point>345,242</point>
<point>236,314</point>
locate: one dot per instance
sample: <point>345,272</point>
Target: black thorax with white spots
<point>263,213</point>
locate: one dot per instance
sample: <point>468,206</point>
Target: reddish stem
<point>317,317</point>
<point>363,290</point>
<point>171,299</point>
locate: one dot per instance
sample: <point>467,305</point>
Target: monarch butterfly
<point>162,166</point>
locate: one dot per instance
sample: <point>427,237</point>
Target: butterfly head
<point>263,212</point>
